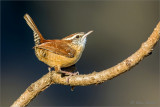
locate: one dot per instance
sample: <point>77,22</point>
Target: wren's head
<point>78,38</point>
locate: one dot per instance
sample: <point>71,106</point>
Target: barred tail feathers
<point>38,38</point>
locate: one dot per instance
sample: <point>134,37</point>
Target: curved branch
<point>94,78</point>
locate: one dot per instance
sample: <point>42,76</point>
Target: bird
<point>58,53</point>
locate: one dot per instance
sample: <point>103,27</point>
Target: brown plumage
<point>57,53</point>
<point>58,47</point>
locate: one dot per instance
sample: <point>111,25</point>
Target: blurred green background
<point>119,29</point>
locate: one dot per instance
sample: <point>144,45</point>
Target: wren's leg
<point>69,73</point>
<point>58,69</point>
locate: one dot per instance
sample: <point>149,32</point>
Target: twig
<point>94,78</point>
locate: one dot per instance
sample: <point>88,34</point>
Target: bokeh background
<point>119,29</point>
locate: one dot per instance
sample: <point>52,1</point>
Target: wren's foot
<point>69,74</point>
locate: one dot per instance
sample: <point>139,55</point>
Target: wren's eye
<point>77,36</point>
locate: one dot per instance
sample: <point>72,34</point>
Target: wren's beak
<point>85,35</point>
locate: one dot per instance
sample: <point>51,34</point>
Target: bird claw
<point>72,74</point>
<point>75,73</point>
<point>69,74</point>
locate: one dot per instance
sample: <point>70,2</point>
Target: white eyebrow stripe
<point>71,37</point>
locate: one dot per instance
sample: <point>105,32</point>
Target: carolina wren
<point>58,53</point>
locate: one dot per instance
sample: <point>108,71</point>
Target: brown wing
<point>58,47</point>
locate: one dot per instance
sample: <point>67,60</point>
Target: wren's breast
<point>53,59</point>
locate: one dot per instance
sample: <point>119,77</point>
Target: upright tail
<point>38,38</point>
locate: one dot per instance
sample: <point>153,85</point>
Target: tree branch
<point>94,78</point>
